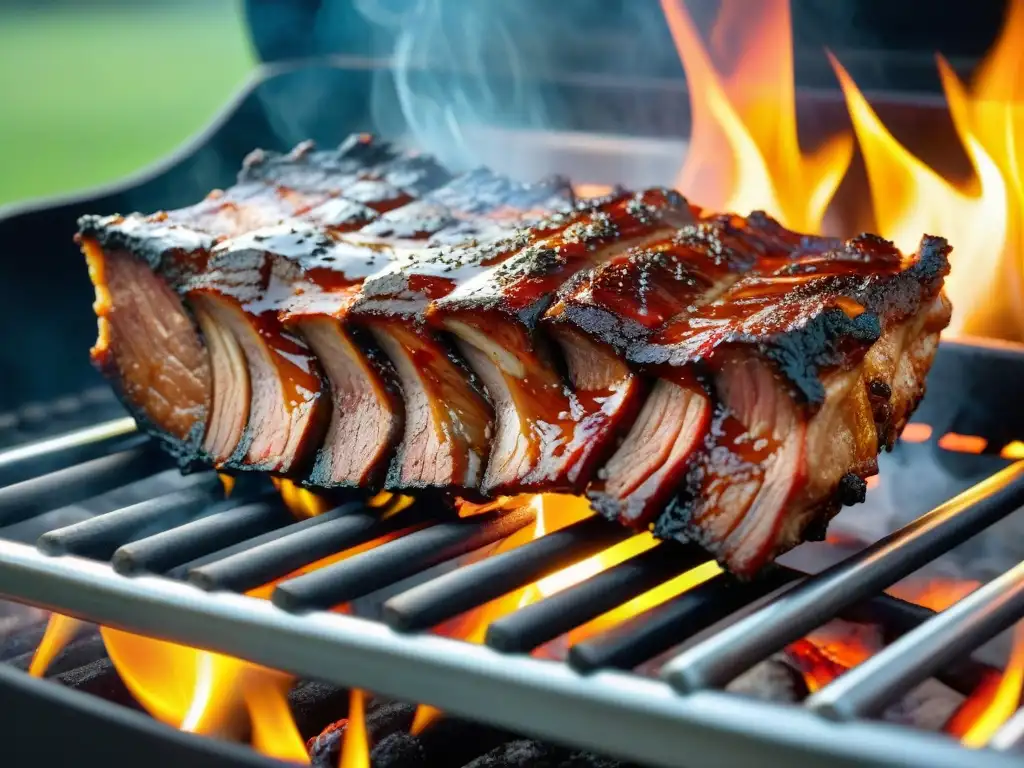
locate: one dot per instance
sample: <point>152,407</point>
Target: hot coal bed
<point>84,712</point>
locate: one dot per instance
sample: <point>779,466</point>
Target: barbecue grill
<point>175,562</point>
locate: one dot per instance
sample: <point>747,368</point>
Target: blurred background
<point>95,89</point>
<point>91,90</point>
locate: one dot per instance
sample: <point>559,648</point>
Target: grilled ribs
<point>361,318</point>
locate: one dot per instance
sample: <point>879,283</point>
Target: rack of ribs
<point>361,318</point>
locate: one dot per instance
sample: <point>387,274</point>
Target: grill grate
<point>169,566</point>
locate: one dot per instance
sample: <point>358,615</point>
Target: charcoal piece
<point>79,652</point>
<point>399,750</point>
<point>99,678</point>
<point>774,679</point>
<point>521,753</point>
<point>451,742</point>
<point>316,705</point>
<point>382,720</point>
<point>20,643</point>
<point>589,760</point>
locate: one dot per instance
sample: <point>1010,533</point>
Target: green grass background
<point>89,94</point>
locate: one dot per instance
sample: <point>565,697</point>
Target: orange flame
<point>228,481</point>
<point>817,667</point>
<point>553,512</point>
<point>209,693</point>
<point>744,151</point>
<point>355,749</point>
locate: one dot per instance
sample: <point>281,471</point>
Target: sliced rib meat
<point>626,300</point>
<point>148,347</point>
<point>445,436</point>
<point>797,383</point>
<point>548,432</point>
<point>211,254</point>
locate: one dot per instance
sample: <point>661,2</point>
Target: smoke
<point>461,69</point>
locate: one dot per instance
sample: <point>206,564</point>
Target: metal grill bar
<point>161,551</point>
<point>100,536</point>
<point>867,688</point>
<point>250,541</point>
<point>652,724</point>
<point>29,498</point>
<point>718,660</point>
<point>473,585</point>
<point>397,560</point>
<point>654,632</point>
<point>298,545</point>
<point>536,624</point>
<point>68,449</point>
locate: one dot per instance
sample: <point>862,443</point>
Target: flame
<point>646,601</point>
<point>468,508</point>
<point>911,199</point>
<point>553,512</point>
<point>355,749</point>
<point>228,481</point>
<point>209,693</point>
<point>744,151</point>
<point>60,630</point>
<point>302,502</point>
<point>994,702</point>
<point>744,154</point>
<point>389,503</point>
<point>1013,450</point>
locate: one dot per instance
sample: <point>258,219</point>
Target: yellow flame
<point>208,693</point>
<point>397,504</point>
<point>274,732</point>
<point>744,152</point>
<point>425,716</point>
<point>646,601</point>
<point>910,199</point>
<point>60,630</point>
<point>355,749</point>
<point>301,501</point>
<point>380,499</point>
<point>1006,699</point>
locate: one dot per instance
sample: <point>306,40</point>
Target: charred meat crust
<point>506,217</point>
<point>807,324</point>
<point>331,283</point>
<point>367,174</point>
<point>815,463</point>
<point>524,285</point>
